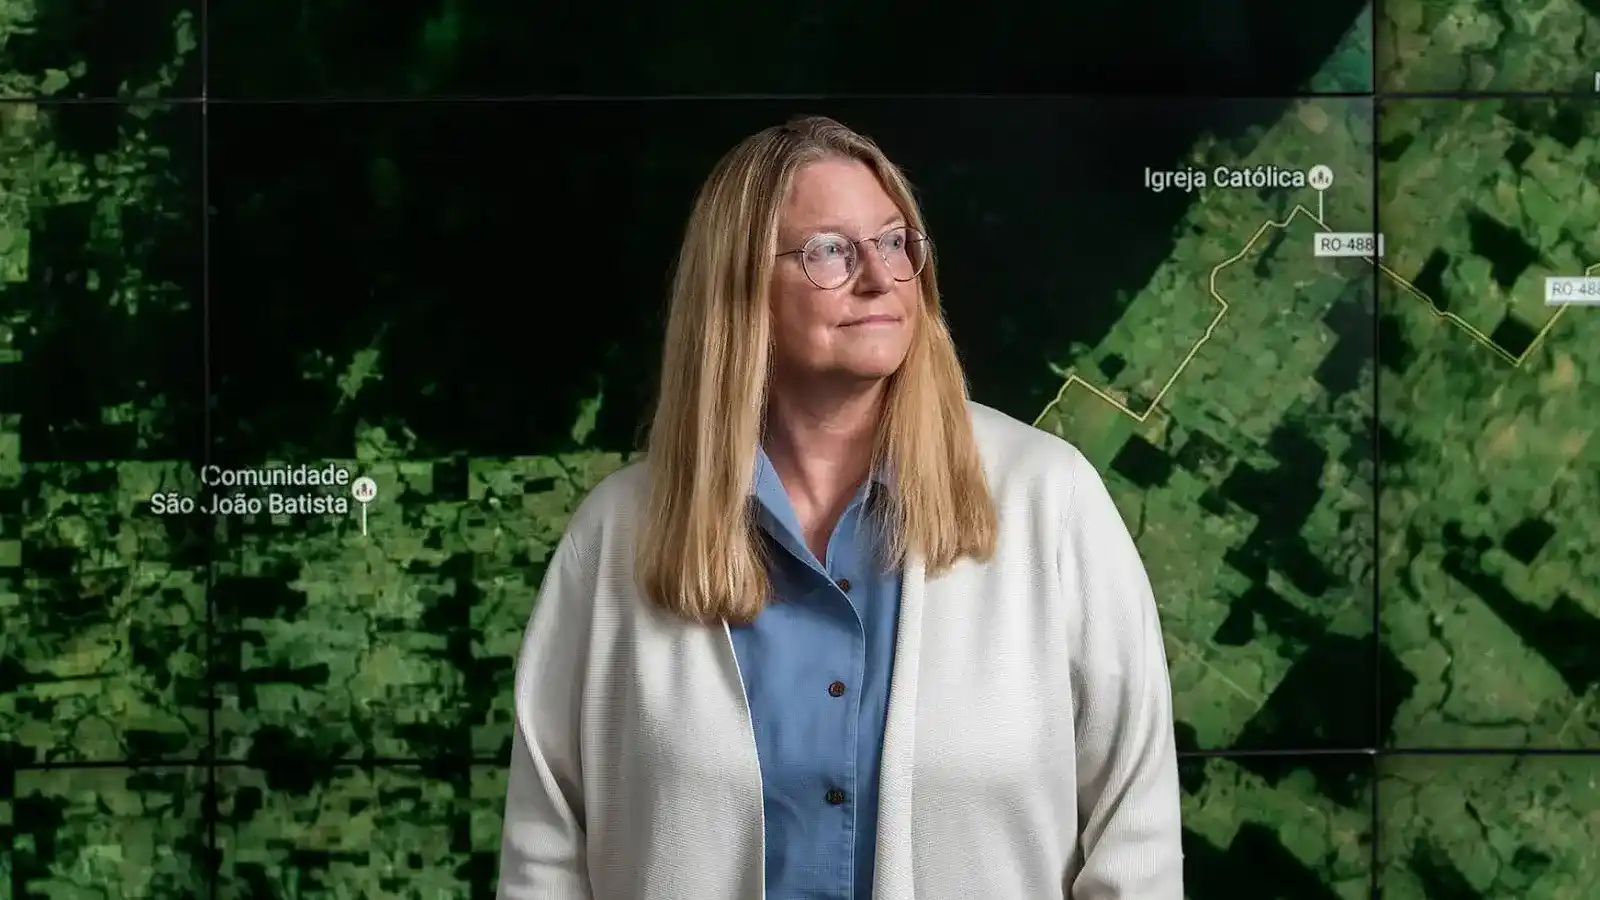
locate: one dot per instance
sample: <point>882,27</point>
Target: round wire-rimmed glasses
<point>831,260</point>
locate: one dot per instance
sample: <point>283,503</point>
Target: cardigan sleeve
<point>542,849</point>
<point>1130,840</point>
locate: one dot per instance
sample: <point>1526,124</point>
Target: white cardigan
<point>1029,752</point>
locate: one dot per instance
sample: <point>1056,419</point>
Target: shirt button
<point>835,797</point>
<point>836,689</point>
<point>844,585</point>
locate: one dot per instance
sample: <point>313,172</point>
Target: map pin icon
<point>365,490</point>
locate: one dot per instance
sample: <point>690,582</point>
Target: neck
<point>821,441</point>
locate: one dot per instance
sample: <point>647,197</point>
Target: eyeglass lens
<point>832,259</point>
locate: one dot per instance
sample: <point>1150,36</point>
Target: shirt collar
<point>767,487</point>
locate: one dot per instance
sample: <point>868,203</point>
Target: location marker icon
<point>365,490</point>
<point>1320,178</point>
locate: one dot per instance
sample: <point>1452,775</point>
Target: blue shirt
<point>816,665</point>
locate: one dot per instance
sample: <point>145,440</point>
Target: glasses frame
<point>875,241</point>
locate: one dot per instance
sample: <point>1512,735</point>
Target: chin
<point>858,361</point>
<point>872,369</point>
<point>868,376</point>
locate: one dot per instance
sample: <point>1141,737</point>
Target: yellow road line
<point>1222,310</point>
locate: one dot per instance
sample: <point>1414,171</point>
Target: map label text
<point>1572,290</point>
<point>1347,243</point>
<point>1189,180</point>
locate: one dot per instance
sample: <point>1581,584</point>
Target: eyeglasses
<point>831,260</point>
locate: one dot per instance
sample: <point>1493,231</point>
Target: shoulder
<point>611,511</point>
<point>1048,493</point>
<point>593,562</point>
<point>1030,467</point>
<point>1006,442</point>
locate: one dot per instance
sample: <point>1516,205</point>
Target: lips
<point>872,320</point>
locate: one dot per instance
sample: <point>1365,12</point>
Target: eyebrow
<point>893,221</point>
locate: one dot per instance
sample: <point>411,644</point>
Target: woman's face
<point>858,324</point>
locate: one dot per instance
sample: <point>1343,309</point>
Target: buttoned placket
<point>843,795</point>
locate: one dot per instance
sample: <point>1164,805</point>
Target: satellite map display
<point>303,369</point>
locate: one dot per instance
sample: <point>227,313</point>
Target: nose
<point>875,277</point>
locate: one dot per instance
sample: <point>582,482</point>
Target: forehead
<point>837,195</point>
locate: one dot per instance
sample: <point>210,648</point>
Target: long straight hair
<point>700,556</point>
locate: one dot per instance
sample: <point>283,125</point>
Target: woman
<point>843,633</point>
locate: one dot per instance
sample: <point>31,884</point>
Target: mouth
<point>872,320</point>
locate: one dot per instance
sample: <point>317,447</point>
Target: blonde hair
<point>700,555</point>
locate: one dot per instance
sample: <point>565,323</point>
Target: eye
<point>828,247</point>
<point>894,240</point>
